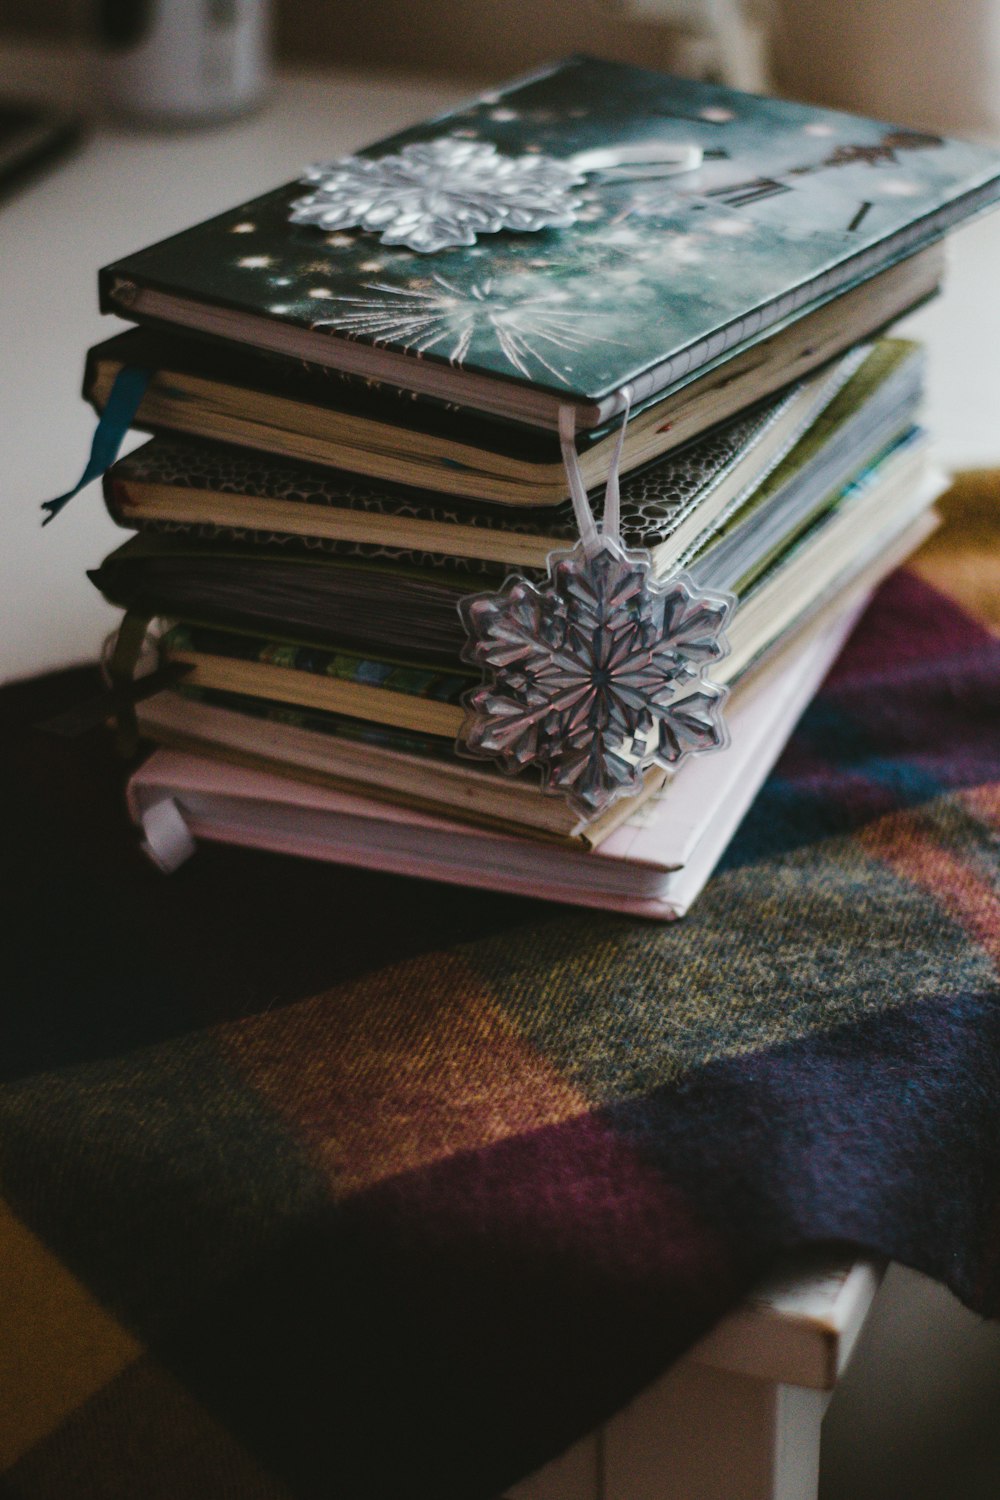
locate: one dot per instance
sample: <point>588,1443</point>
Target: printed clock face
<point>814,172</point>
<point>849,186</point>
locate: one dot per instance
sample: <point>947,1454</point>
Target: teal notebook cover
<point>655,278</point>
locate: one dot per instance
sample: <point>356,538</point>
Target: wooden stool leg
<point>698,1434</point>
<point>573,1476</point>
<point>705,1434</point>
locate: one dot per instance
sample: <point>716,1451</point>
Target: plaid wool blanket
<point>324,1183</point>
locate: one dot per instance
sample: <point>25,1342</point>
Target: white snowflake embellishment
<point>596,675</point>
<point>439,194</point>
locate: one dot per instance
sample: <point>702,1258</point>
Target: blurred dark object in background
<point>31,138</point>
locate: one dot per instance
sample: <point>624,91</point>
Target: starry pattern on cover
<point>792,203</point>
<point>323,1182</point>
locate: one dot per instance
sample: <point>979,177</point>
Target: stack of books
<point>352,435</point>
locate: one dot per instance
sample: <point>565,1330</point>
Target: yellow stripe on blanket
<point>59,1346</point>
<point>962,558</point>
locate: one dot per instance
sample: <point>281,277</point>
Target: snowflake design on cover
<point>439,194</point>
<point>596,676</point>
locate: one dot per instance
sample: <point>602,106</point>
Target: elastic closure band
<point>121,673</point>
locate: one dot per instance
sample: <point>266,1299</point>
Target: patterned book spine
<point>183,640</point>
<point>655,501</point>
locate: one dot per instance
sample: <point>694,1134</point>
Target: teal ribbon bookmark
<point>115,420</point>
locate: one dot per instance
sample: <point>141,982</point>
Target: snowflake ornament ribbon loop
<point>598,674</point>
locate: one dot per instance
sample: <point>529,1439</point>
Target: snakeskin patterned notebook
<point>724,507</point>
<point>392,681</point>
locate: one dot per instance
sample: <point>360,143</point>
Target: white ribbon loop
<point>585,523</point>
<point>610,527</point>
<point>639,159</point>
<point>611,521</point>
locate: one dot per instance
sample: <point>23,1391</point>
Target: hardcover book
<point>224,488</point>
<point>213,390</point>
<point>790,204</point>
<point>425,773</point>
<point>870,521</point>
<point>723,507</point>
<point>396,766</point>
<point>374,606</point>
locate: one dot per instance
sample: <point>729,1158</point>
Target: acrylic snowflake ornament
<point>439,194</point>
<point>596,675</point>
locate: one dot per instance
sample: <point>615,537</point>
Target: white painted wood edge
<point>798,1329</point>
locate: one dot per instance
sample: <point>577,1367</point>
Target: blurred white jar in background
<point>182,61</point>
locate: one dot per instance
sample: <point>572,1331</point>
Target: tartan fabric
<point>318,1182</point>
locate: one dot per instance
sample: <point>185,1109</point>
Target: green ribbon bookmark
<point>115,421</point>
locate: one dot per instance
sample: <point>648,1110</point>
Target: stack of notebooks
<point>351,436</point>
